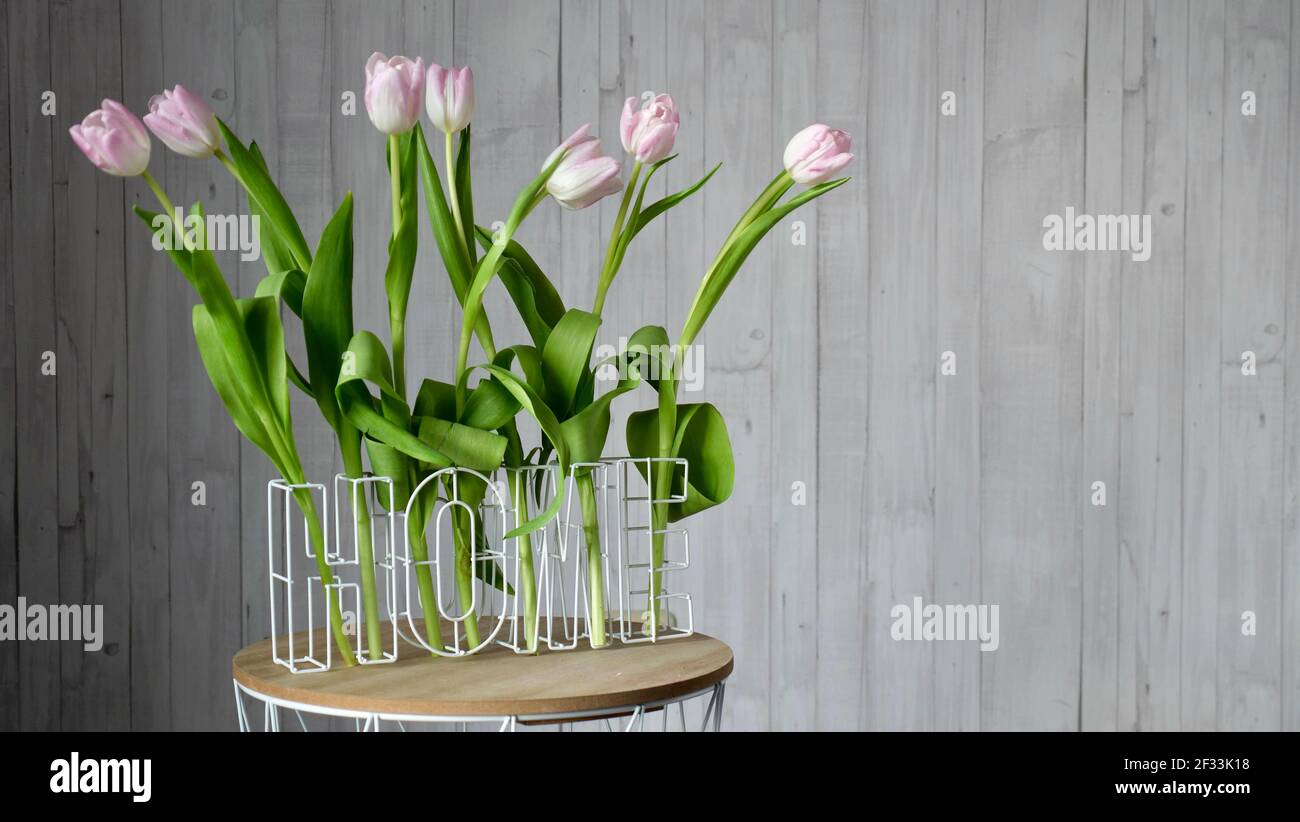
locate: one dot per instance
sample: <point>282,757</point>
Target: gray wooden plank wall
<point>975,487</point>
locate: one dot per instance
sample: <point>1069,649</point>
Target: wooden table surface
<point>496,681</point>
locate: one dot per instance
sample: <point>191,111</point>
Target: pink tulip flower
<point>394,89</point>
<point>449,97</point>
<point>184,123</point>
<point>815,154</point>
<point>584,175</point>
<point>113,139</point>
<point>648,131</point>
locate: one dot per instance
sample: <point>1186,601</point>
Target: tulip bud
<point>449,97</point>
<point>183,122</point>
<point>113,139</point>
<point>648,132</point>
<point>815,154</point>
<point>394,87</point>
<point>584,175</point>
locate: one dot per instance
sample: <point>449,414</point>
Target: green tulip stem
<point>610,266</point>
<point>524,545</point>
<point>462,529</point>
<point>307,504</point>
<point>396,321</point>
<point>178,230</point>
<point>663,479</point>
<point>352,467</point>
<point>424,579</point>
<point>595,568</point>
<point>454,195</point>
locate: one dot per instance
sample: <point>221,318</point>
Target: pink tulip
<point>449,97</point>
<point>816,153</point>
<point>184,123</point>
<point>648,132</point>
<point>584,175</point>
<point>113,139</point>
<point>394,88</point>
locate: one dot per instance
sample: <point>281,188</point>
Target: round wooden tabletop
<point>496,681</point>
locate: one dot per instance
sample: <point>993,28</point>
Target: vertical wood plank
<point>198,52</point>
<point>1151,394</point>
<point>844,359</point>
<point>1256,40</point>
<point>1104,140</point>
<point>737,341</point>
<point>1031,494</point>
<point>10,709</point>
<point>89,281</point>
<point>1291,379</point>
<point>35,332</point>
<point>1207,103</point>
<point>958,183</point>
<point>1103,193</point>
<point>150,277</point>
<point>690,246</point>
<point>256,120</point>
<point>901,121</point>
<point>792,602</point>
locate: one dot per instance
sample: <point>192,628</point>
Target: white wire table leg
<point>240,716</point>
<point>638,714</point>
<point>717,716</point>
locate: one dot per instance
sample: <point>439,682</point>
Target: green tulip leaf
<point>275,254</point>
<point>460,269</point>
<point>538,303</point>
<point>465,446</point>
<point>724,268</point>
<point>464,193</point>
<point>386,419</point>
<point>386,461</point>
<point>402,245</point>
<point>565,358</point>
<point>223,379</point>
<point>660,206</point>
<point>327,312</point>
<point>265,198</point>
<point>701,439</point>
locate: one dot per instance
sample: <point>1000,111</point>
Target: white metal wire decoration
<point>568,596</point>
<point>284,584</point>
<point>370,491</point>
<point>634,554</point>
<point>533,485</point>
<point>485,600</point>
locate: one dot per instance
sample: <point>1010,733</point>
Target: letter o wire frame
<point>493,511</point>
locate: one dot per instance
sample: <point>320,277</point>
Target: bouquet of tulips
<point>360,386</point>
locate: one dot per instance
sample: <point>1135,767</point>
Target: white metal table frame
<point>370,720</point>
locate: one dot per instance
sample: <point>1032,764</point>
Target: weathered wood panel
<point>1253,293</point>
<point>792,600</point>
<point>958,191</point>
<point>962,488</point>
<point>1032,349</point>
<point>844,363</point>
<point>35,331</point>
<point>9,705</point>
<point>90,294</point>
<point>148,320</point>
